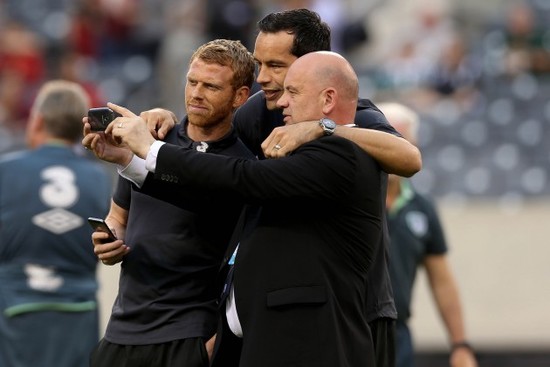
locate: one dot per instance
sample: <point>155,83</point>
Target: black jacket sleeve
<point>322,169</point>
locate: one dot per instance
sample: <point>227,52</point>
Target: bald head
<point>330,83</point>
<point>330,69</point>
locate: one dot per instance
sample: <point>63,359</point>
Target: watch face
<point>329,124</point>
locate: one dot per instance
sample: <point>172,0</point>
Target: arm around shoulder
<point>395,155</point>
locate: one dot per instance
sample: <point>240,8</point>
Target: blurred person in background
<point>405,50</point>
<point>417,238</point>
<point>456,74</point>
<point>114,45</point>
<point>74,67</point>
<point>454,78</point>
<point>22,69</point>
<point>48,285</point>
<point>526,41</point>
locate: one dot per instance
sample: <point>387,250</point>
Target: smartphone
<point>99,224</point>
<point>100,117</point>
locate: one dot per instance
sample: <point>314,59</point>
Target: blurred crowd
<point>447,51</point>
<point>424,53</point>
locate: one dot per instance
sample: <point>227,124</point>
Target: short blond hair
<point>231,53</point>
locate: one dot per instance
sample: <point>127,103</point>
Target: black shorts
<point>190,352</point>
<point>383,337</point>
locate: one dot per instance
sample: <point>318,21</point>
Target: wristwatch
<point>328,125</point>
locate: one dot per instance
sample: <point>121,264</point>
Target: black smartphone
<point>99,224</point>
<point>100,117</point>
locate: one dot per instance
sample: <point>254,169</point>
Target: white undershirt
<point>232,315</point>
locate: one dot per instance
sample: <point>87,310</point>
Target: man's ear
<point>241,95</point>
<point>330,98</point>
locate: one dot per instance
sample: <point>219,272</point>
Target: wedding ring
<point>121,125</point>
<point>277,147</point>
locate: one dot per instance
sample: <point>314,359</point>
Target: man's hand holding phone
<point>103,145</point>
<point>107,247</point>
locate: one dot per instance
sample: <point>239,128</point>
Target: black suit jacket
<point>300,275</point>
